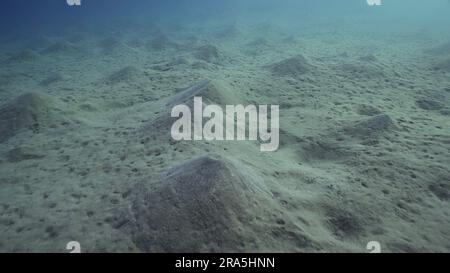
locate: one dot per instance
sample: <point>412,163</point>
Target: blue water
<point>56,14</point>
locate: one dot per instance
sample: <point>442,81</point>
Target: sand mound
<point>370,127</point>
<point>19,154</point>
<point>207,53</point>
<point>212,92</point>
<point>428,104</point>
<point>441,191</point>
<point>293,67</point>
<point>23,56</point>
<point>206,204</point>
<point>32,111</point>
<point>348,223</point>
<point>368,110</point>
<point>125,75</point>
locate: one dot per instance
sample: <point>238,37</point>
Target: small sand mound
<point>161,42</point>
<point>368,110</point>
<point>293,67</point>
<point>428,104</point>
<point>125,75</point>
<point>23,56</point>
<point>370,127</point>
<point>32,111</point>
<point>19,154</point>
<point>344,223</point>
<point>441,190</point>
<point>207,53</point>
<point>206,204</point>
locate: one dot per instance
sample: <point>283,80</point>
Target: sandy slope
<point>86,153</point>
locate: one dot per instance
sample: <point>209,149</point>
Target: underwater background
<point>86,152</point>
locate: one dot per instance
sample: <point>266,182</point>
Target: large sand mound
<point>32,111</point>
<point>211,91</point>
<point>370,127</point>
<point>206,204</point>
<point>293,67</point>
<point>128,74</point>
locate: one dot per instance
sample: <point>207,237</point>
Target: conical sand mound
<point>211,92</point>
<point>127,74</point>
<point>206,204</point>
<point>31,111</point>
<point>293,67</point>
<point>370,127</point>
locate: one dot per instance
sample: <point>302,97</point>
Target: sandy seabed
<point>86,152</point>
